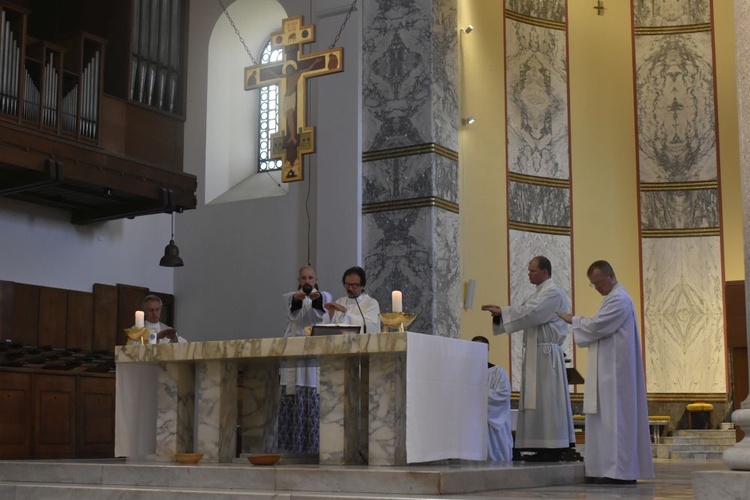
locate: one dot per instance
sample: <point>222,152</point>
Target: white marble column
<point>339,404</point>
<point>387,409</point>
<point>736,483</point>
<point>175,406</point>
<point>217,411</point>
<point>738,457</point>
<point>260,400</point>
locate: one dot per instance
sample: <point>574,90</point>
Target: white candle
<point>396,301</point>
<point>139,319</point>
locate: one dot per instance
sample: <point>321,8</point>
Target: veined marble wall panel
<point>552,10</point>
<point>538,148</point>
<point>537,100</point>
<point>671,12</point>
<point>678,171</point>
<point>680,209</point>
<point>676,111</point>
<point>410,81</point>
<point>415,251</point>
<point>684,325</point>
<point>538,204</point>
<point>407,177</point>
<point>524,246</point>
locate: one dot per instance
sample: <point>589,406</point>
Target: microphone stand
<point>364,322</point>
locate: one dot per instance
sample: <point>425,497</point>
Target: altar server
<point>545,420</point>
<point>618,445</point>
<point>300,402</point>
<point>499,436</point>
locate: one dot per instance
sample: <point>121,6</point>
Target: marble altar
<point>427,397</point>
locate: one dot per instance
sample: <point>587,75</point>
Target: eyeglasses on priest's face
<point>352,286</point>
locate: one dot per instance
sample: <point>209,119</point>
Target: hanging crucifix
<point>294,138</point>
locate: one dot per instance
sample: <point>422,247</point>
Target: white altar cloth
<point>446,399</point>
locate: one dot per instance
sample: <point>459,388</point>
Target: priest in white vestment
<point>160,332</point>
<point>545,420</point>
<point>499,435</point>
<point>618,443</point>
<point>356,308</point>
<point>299,410</point>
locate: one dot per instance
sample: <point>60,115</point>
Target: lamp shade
<point>171,256</point>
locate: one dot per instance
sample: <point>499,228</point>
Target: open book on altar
<point>333,329</point>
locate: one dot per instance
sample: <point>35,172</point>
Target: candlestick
<point>396,301</point>
<point>139,319</point>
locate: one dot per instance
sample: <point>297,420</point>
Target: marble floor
<point>117,480</point>
<point>673,480</point>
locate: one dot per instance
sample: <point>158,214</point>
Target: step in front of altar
<point>687,444</point>
<point>84,480</point>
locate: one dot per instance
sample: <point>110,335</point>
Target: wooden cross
<point>294,137</point>
<point>599,7</point>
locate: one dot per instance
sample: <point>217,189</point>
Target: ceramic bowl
<point>188,458</point>
<point>266,459</point>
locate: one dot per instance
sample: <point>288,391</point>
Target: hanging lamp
<point>171,252</point>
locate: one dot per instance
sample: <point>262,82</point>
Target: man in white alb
<point>151,306</point>
<point>499,435</point>
<point>299,409</point>
<point>618,444</point>
<point>545,420</point>
<point>357,308</point>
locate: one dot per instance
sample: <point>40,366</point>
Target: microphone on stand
<point>364,322</point>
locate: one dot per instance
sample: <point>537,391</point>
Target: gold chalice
<point>398,321</point>
<point>138,334</point>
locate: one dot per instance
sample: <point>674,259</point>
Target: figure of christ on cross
<point>294,138</point>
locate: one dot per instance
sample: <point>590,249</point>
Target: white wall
<point>241,256</point>
<point>40,246</point>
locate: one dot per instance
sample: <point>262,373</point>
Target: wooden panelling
<point>95,419</point>
<point>80,326</point>
<point>54,422</point>
<point>53,316</point>
<point>25,314</point>
<point>734,296</point>
<point>137,131</point>
<point>6,309</point>
<point>129,300</point>
<point>16,416</point>
<point>47,414</point>
<point>105,317</point>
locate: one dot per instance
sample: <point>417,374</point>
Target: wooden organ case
<point>91,106</point>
